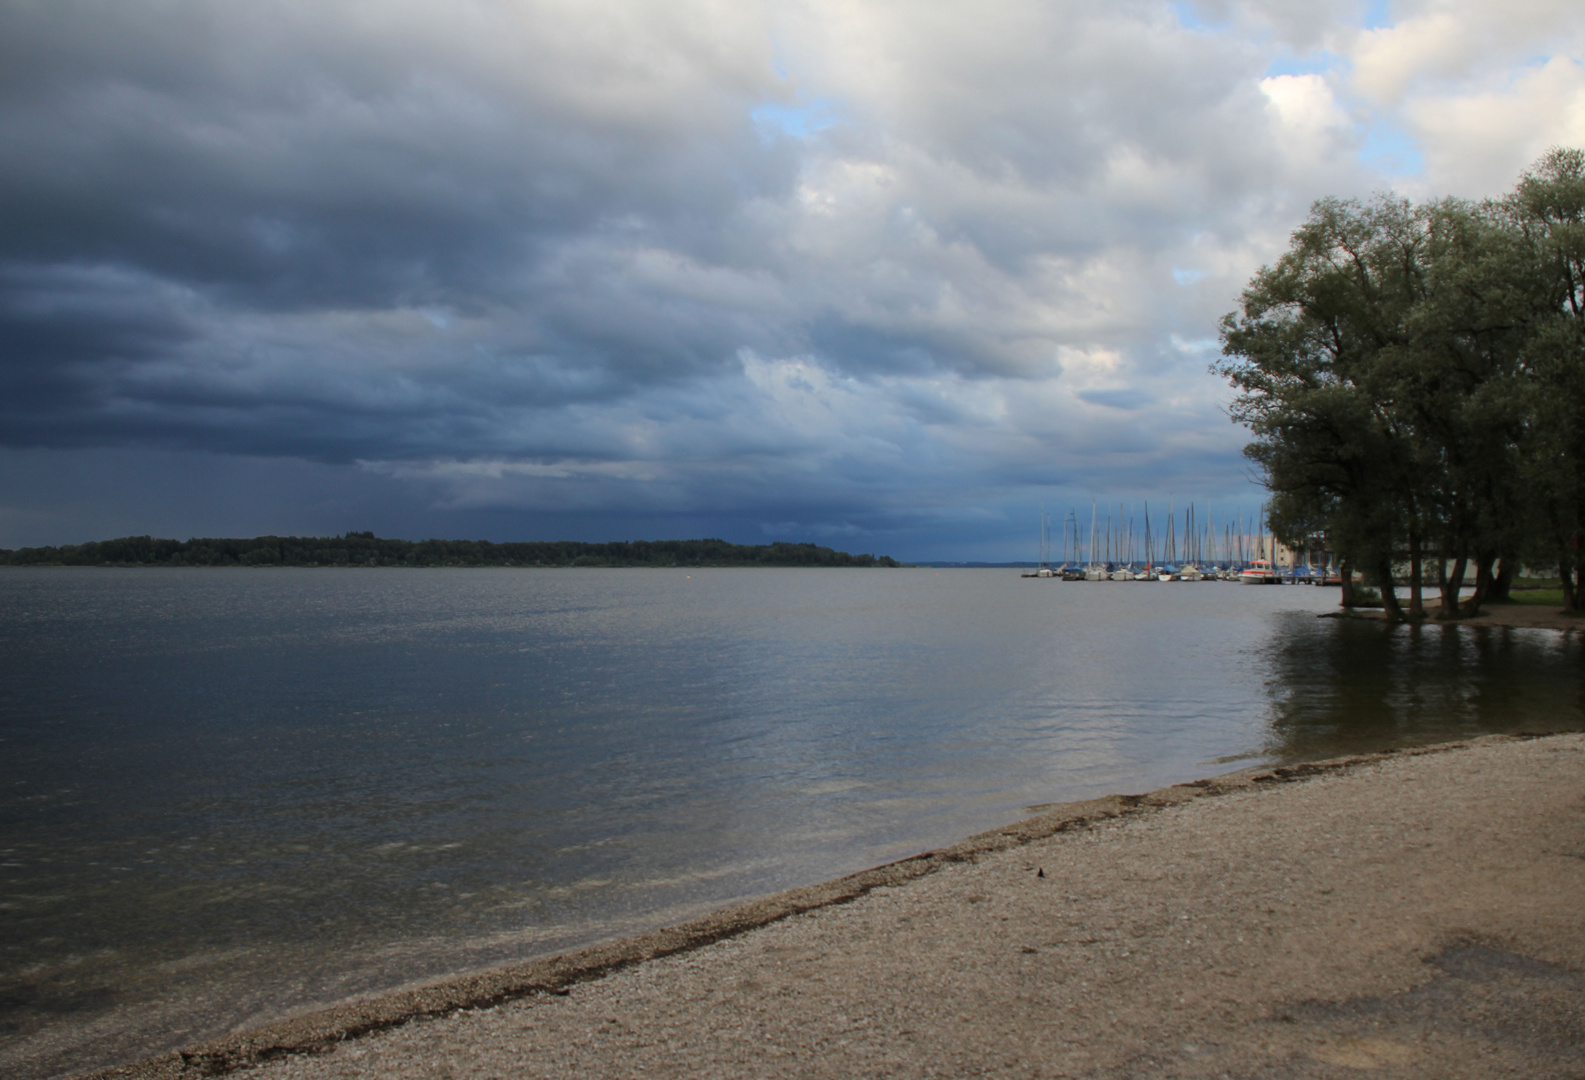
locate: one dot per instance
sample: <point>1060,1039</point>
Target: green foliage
<point>365,549</point>
<point>1414,379</point>
<point>1548,209</point>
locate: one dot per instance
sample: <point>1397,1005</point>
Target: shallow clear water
<point>227,795</point>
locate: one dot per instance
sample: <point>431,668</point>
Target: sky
<point>887,276</point>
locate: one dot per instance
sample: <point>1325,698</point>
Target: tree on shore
<point>1548,210</point>
<point>1414,379</point>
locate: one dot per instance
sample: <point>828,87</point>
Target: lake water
<point>229,795</point>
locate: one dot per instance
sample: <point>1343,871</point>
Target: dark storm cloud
<point>213,215</point>
<point>291,160</point>
<point>852,269</point>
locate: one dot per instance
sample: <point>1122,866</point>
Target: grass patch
<point>1540,597</point>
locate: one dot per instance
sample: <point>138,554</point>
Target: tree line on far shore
<point>1414,379</point>
<point>365,549</point>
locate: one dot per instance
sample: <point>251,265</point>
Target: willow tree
<point>1414,378</point>
<point>1548,210</point>
<point>1459,384</point>
<point>1304,351</point>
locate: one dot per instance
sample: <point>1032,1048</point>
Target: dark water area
<point>227,796</point>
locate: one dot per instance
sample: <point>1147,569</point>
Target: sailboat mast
<point>1093,507</point>
<point>1150,541</point>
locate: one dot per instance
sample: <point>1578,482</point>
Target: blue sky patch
<point>1190,18</point>
<point>1318,63</point>
<point>1378,14</point>
<point>1388,149</point>
<point>798,121</point>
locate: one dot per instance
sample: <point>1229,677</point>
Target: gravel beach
<point>1415,914</point>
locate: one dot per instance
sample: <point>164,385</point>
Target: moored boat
<point>1259,572</point>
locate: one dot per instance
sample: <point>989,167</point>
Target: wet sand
<point>1413,914</point>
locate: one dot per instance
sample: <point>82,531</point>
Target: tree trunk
<point>1389,593</point>
<point>1451,585</point>
<point>1483,581</point>
<point>1416,603</point>
<point>1346,572</point>
<point>1569,569</point>
<point>1502,585</point>
<point>1579,574</point>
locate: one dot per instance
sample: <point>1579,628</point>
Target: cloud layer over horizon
<point>882,275</point>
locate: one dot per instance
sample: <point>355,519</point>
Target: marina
<point>1112,550</point>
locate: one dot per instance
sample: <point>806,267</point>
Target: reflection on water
<point>228,795</point>
<point>1343,686</point>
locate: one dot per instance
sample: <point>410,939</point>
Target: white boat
<point>1190,573</point>
<point>1122,573</point>
<point>1259,572</point>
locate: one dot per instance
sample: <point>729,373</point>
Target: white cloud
<point>1475,138</point>
<point>1480,89</point>
<point>1434,44</point>
<point>1312,128</point>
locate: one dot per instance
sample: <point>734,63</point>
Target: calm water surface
<point>229,795</point>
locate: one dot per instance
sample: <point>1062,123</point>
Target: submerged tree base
<point>1518,616</point>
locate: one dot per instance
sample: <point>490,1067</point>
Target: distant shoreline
<point>364,549</point>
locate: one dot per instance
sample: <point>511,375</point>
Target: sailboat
<point>1170,553</point>
<point>1215,572</point>
<point>1094,573</point>
<point>1071,571</point>
<point>1145,572</point>
<point>1045,570</point>
<point>1122,573</point>
<point>1190,571</point>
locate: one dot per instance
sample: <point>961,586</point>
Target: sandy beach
<point>1413,914</point>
